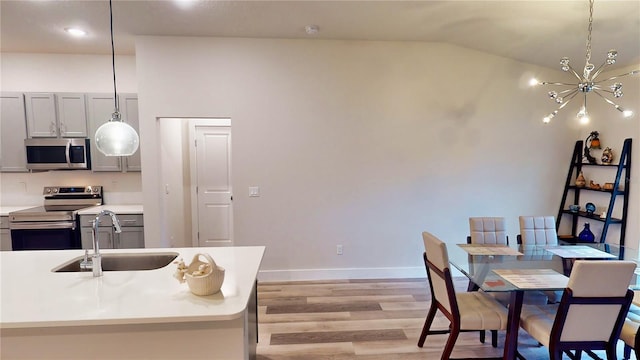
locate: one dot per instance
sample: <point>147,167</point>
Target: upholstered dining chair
<point>466,311</point>
<point>487,230</point>
<point>590,314</point>
<point>630,333</point>
<point>537,230</point>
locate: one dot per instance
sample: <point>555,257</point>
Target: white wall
<point>67,73</point>
<point>364,144</point>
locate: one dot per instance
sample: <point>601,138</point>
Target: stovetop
<point>60,204</point>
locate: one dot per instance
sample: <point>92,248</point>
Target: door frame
<point>192,123</point>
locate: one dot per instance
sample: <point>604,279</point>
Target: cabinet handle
<point>128,221</point>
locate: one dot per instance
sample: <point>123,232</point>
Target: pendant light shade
<point>117,138</point>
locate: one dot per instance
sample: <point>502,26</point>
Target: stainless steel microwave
<point>58,154</point>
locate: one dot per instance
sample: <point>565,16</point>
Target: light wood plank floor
<point>361,320</point>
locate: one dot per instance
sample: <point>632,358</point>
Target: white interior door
<point>212,210</point>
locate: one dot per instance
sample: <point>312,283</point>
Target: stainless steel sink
<point>123,262</point>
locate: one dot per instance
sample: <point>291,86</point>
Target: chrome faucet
<point>96,259</point>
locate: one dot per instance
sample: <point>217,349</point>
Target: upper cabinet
<point>56,115</point>
<point>99,109</point>
<point>13,131</point>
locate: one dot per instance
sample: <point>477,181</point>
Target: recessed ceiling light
<point>75,32</point>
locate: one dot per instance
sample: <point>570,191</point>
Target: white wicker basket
<point>210,282</point>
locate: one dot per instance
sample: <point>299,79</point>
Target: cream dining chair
<point>591,313</point>
<point>630,333</point>
<point>466,311</point>
<point>539,230</point>
<point>487,230</point>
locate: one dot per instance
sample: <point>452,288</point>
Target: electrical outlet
<point>339,249</point>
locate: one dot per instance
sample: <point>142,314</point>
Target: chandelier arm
<point>633,72</point>
<point>599,70</point>
<point>557,83</point>
<point>610,102</point>
<point>567,101</point>
<point>574,72</point>
<point>568,92</point>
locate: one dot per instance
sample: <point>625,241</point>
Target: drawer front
<point>130,220</point>
<point>125,220</point>
<point>87,221</point>
<point>4,222</point>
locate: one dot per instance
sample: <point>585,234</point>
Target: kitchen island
<point>143,314</point>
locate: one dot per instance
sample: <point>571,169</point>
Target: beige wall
<point>364,144</point>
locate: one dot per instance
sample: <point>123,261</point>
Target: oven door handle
<point>41,226</point>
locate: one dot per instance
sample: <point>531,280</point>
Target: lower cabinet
<point>5,234</point>
<point>132,235</point>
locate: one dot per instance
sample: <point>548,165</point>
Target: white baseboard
<point>341,274</point>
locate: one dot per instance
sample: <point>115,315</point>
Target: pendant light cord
<point>113,61</point>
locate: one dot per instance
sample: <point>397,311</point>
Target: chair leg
<point>627,352</point>
<point>611,352</point>
<point>453,336</point>
<point>427,324</point>
<point>555,354</point>
<point>482,336</point>
<point>494,338</point>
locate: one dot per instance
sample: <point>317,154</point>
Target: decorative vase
<point>580,180</point>
<point>607,156</point>
<point>586,235</point>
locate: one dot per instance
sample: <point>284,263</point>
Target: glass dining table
<point>516,269</point>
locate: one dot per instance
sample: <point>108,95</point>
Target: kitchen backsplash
<point>26,188</point>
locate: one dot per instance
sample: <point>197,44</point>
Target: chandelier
<point>587,83</point>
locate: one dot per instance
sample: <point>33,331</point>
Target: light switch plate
<point>254,191</point>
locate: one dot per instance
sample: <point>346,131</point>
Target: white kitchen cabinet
<point>132,235</point>
<point>13,131</point>
<point>5,234</point>
<point>56,115</point>
<point>100,108</point>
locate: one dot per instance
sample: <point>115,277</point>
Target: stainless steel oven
<point>55,225</point>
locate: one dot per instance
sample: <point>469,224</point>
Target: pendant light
<point>115,137</point>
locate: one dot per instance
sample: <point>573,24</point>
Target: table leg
<point>513,325</point>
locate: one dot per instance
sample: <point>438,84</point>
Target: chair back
<point>538,230</point>
<point>436,260</point>
<point>487,230</point>
<point>595,302</point>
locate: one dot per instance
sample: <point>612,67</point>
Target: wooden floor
<point>360,320</point>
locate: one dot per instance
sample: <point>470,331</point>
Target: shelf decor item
<point>586,235</point>
<point>580,180</point>
<point>607,156</point>
<point>574,208</point>
<point>590,207</point>
<point>592,142</point>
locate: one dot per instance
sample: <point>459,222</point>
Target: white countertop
<point>33,296</point>
<point>5,210</point>
<point>118,209</point>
